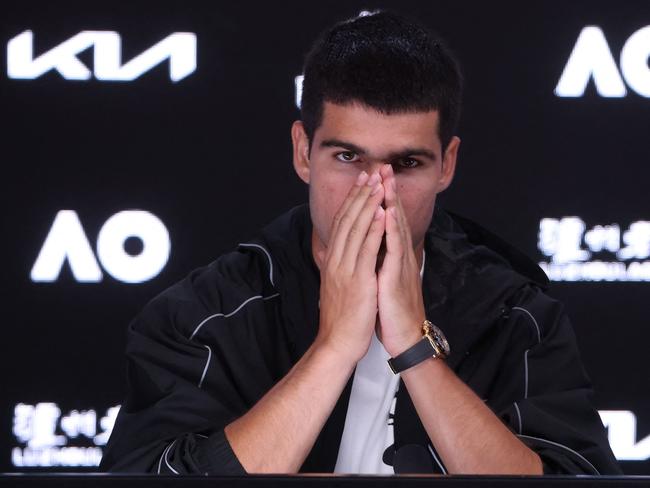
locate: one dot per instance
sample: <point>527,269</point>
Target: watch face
<point>440,339</point>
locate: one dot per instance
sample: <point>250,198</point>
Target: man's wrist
<point>433,344</point>
<point>398,345</point>
<point>329,352</point>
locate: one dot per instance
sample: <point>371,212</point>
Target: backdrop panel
<point>142,139</point>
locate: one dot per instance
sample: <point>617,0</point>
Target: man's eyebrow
<point>346,145</point>
<point>404,153</point>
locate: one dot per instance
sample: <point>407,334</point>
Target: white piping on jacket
<point>256,297</point>
<point>267,255</point>
<point>526,373</point>
<point>161,458</point>
<point>167,462</point>
<point>207,363</point>
<point>518,416</point>
<point>539,334</point>
<point>539,340</point>
<point>562,446</point>
<point>164,455</point>
<point>433,453</point>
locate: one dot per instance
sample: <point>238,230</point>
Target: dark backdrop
<point>210,156</point>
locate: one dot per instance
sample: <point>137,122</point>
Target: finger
<point>394,238</point>
<point>403,224</point>
<point>320,257</point>
<point>349,227</point>
<point>367,257</point>
<point>393,200</point>
<point>359,231</point>
<point>394,235</point>
<point>390,185</point>
<point>352,194</point>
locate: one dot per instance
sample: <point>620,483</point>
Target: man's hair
<point>384,61</point>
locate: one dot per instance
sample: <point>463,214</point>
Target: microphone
<point>412,458</point>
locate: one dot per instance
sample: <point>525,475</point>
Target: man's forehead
<point>377,132</point>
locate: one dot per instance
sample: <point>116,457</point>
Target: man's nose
<point>376,166</point>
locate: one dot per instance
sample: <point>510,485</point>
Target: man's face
<point>354,138</point>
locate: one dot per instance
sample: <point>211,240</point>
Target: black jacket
<point>207,349</point>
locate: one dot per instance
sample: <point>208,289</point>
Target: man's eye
<point>408,163</point>
<point>347,156</point>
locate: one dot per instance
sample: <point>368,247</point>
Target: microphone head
<point>412,459</point>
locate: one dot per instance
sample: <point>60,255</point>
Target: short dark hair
<point>387,62</point>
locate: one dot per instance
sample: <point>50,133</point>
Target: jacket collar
<point>468,279</point>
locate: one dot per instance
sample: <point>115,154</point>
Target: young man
<point>274,357</point>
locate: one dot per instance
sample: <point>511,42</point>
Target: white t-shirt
<point>368,429</point>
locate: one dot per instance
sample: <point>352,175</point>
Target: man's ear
<point>300,151</point>
<point>449,163</point>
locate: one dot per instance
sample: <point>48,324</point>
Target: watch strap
<point>415,354</point>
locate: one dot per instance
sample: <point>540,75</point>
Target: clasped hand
<point>359,293</point>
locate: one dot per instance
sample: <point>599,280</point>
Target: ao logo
<point>621,433</point>
<point>592,58</point>
<point>67,240</point>
<point>179,48</point>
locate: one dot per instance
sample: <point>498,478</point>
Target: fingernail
<point>373,180</point>
<point>362,178</point>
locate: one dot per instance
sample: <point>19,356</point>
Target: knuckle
<point>365,190</point>
<point>365,250</point>
<point>354,189</point>
<point>334,271</point>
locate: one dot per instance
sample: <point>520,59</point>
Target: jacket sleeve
<point>552,412</point>
<point>168,424</point>
<point>185,383</point>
